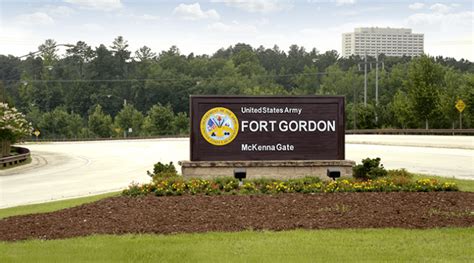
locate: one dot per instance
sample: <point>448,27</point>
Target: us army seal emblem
<point>219,126</point>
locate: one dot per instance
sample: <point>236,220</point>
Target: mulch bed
<point>191,214</point>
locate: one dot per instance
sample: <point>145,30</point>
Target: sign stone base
<point>284,169</point>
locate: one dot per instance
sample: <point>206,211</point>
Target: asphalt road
<point>71,169</point>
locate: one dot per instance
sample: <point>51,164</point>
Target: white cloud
<point>416,6</point>
<point>263,22</point>
<point>440,8</point>
<point>148,17</point>
<point>442,20</point>
<point>345,2</point>
<point>37,18</point>
<point>194,12</point>
<point>257,6</point>
<point>104,5</point>
<point>57,11</point>
<point>234,28</point>
<point>91,27</point>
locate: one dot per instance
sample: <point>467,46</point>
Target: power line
<point>166,79</point>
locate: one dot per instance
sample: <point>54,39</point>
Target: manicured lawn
<point>51,206</point>
<point>373,245</point>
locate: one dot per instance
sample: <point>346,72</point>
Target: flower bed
<point>180,186</point>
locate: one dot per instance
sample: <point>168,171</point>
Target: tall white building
<point>389,41</point>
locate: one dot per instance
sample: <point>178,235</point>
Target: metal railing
<point>22,156</point>
<point>414,131</point>
<point>104,139</point>
<point>362,131</point>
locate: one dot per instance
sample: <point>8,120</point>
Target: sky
<point>202,27</point>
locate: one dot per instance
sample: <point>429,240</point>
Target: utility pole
<point>377,81</point>
<point>376,85</point>
<point>365,79</point>
<point>355,105</point>
<point>376,78</point>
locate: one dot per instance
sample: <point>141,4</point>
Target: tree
<point>181,124</point>
<point>308,80</point>
<point>105,76</point>
<point>9,74</point>
<point>144,54</point>
<point>365,116</point>
<point>48,52</point>
<point>337,82</point>
<point>13,126</point>
<point>81,53</point>
<point>247,63</point>
<point>100,123</point>
<point>159,120</point>
<point>402,110</point>
<point>450,93</point>
<point>119,48</point>
<point>60,124</point>
<point>129,117</point>
<point>327,59</point>
<point>423,82</point>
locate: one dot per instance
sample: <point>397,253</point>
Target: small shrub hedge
<point>369,169</point>
<point>161,170</point>
<point>370,176</point>
<point>179,186</point>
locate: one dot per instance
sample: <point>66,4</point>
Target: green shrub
<point>227,184</point>
<point>249,188</point>
<point>261,184</point>
<point>399,173</point>
<point>135,189</point>
<point>298,185</point>
<point>179,186</point>
<point>161,170</point>
<point>369,169</point>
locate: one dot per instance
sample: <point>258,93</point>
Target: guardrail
<point>371,131</point>
<point>23,155</point>
<point>414,131</point>
<point>105,139</point>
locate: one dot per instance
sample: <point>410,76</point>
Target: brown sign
<point>228,128</point>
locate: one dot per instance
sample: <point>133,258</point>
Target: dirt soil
<point>191,214</point>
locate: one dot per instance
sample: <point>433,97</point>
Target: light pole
<point>365,77</point>
<point>315,60</point>
<point>355,106</point>
<point>2,81</point>
<point>377,83</point>
<point>41,51</point>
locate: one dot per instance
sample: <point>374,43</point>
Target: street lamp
<point>40,51</point>
<point>2,82</point>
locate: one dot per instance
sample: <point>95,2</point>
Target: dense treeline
<point>105,91</point>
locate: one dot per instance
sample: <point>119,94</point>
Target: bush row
<point>179,186</point>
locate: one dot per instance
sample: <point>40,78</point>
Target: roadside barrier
<point>414,131</point>
<point>371,131</point>
<point>104,139</point>
<point>23,155</point>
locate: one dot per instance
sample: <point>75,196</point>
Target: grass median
<point>464,185</point>
<point>365,245</point>
<point>52,206</point>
